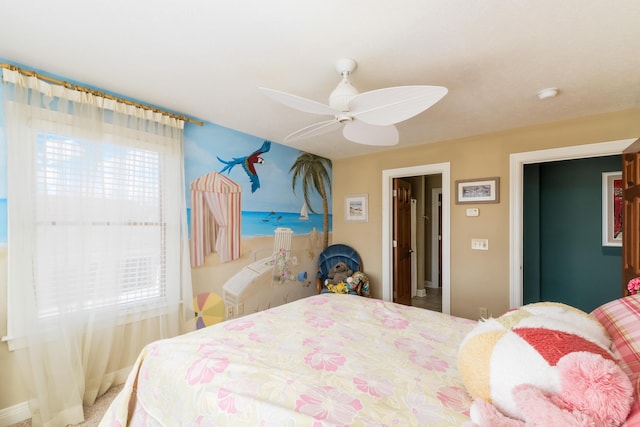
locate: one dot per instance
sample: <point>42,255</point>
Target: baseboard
<point>430,284</point>
<point>15,414</point>
<point>421,293</point>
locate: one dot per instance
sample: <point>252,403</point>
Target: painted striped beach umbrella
<point>209,309</point>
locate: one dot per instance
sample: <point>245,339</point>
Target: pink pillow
<point>621,319</point>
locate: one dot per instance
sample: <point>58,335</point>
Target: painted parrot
<point>248,163</point>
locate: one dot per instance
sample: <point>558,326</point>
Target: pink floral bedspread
<point>326,360</point>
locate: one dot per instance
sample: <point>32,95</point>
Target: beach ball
<point>524,346</point>
<point>209,309</point>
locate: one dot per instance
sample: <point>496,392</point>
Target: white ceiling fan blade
<point>394,104</point>
<point>364,133</point>
<point>315,129</point>
<point>298,103</point>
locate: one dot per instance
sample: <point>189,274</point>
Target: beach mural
<point>259,216</point>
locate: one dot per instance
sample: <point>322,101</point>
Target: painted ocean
<point>253,223</point>
<point>264,223</point>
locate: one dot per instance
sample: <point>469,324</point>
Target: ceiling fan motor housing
<point>342,94</point>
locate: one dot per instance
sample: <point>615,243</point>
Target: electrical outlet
<point>484,313</point>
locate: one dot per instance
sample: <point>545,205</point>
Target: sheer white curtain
<point>98,255</point>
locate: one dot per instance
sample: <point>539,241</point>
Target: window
<point>96,216</point>
<point>71,175</point>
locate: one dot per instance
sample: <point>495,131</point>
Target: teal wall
<point>564,259</point>
<point>531,234</point>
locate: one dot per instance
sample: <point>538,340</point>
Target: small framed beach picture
<point>482,190</point>
<point>356,207</point>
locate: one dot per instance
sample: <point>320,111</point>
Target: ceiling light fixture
<point>549,92</point>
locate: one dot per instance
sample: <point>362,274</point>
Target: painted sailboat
<point>304,214</point>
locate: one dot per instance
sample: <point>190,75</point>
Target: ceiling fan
<point>366,118</point>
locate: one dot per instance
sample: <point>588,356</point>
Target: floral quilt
<point>326,360</point>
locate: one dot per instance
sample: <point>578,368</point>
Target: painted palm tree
<point>313,171</point>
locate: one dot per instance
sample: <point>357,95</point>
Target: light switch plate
<point>473,211</point>
<point>480,244</point>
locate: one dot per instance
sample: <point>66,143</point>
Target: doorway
<point>388,176</point>
<point>416,242</point>
<point>516,167</point>
<point>564,259</point>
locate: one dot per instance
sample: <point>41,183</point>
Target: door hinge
<point>395,243</point>
<point>395,193</point>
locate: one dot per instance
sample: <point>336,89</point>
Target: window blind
<point>94,191</point>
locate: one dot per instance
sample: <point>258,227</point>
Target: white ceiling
<point>206,58</point>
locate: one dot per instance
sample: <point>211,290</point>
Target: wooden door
<point>402,242</point>
<point>631,212</point>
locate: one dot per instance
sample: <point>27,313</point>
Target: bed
<point>326,360</point>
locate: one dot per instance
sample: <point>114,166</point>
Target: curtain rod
<point>98,93</point>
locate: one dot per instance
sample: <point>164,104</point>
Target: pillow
<point>621,319</point>
<point>523,346</point>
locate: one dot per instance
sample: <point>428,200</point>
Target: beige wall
<point>478,278</point>
<point>11,389</point>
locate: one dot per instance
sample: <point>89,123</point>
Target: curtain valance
<point>52,91</point>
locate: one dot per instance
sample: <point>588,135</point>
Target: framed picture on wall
<point>612,209</point>
<point>481,190</point>
<point>356,207</point>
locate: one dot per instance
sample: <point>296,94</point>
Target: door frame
<point>414,247</point>
<point>517,161</point>
<point>388,175</point>
<point>435,252</point>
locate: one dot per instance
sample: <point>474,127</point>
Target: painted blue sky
<point>204,144</point>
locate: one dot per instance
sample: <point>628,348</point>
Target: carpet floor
<point>92,414</point>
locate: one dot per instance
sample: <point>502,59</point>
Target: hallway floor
<point>433,300</point>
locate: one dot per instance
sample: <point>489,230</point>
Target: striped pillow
<point>621,319</point>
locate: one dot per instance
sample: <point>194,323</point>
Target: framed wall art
<point>356,207</point>
<point>612,209</point>
<point>481,190</point>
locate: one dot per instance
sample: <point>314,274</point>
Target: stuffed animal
<point>545,364</point>
<point>359,279</point>
<point>338,274</point>
<point>594,391</point>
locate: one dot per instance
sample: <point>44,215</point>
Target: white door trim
<point>387,226</point>
<point>516,167</point>
<point>435,218</point>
